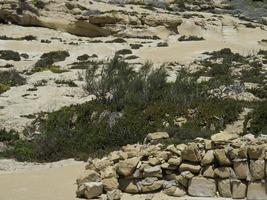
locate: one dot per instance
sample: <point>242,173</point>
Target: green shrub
<point>53,68</point>
<point>51,57</point>
<point>190,38</point>
<point>11,78</point>
<point>124,52</point>
<point>257,120</point>
<point>162,44</point>
<point>9,55</point>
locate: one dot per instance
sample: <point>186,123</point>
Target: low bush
<point>256,122</point>
<point>128,105</point>
<point>9,55</point>
<point>124,52</point>
<point>53,68</point>
<point>190,38</point>
<point>11,78</point>
<point>51,57</point>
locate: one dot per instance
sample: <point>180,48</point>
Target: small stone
<point>128,186</point>
<point>150,184</point>
<point>153,171</point>
<point>175,191</point>
<point>222,172</point>
<point>208,172</point>
<point>157,136</point>
<point>114,195</point>
<point>175,161</point>
<point>90,190</point>
<point>194,168</point>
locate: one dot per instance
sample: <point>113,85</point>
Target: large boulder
<point>202,187</point>
<point>110,184</point>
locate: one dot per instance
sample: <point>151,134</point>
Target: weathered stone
<point>208,172</point>
<point>257,191</point>
<point>194,168</point>
<point>175,161</point>
<point>157,136</point>
<point>114,195</point>
<point>208,144</point>
<point>88,176</point>
<point>191,153</point>
<point>128,186</point>
<point>132,150</point>
<point>150,184</point>
<point>239,189</point>
<point>224,187</point>
<point>255,152</point>
<point>108,172</point>
<point>181,147</point>
<point>173,150</point>
<point>257,169</point>
<point>208,158</point>
<point>202,187</point>
<point>127,167</point>
<point>241,169</point>
<point>222,157</point>
<point>239,153</point>
<point>90,190</point>
<point>182,180</point>
<point>99,164</point>
<point>110,183</point>
<point>153,171</point>
<point>222,172</point>
<point>172,189</point>
<point>153,161</point>
<point>167,166</point>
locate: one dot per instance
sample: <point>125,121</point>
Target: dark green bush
<point>190,38</point>
<point>11,78</point>
<point>124,52</point>
<point>257,120</point>
<point>9,55</point>
<point>51,57</point>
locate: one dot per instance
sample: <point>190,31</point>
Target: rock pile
<point>203,168</point>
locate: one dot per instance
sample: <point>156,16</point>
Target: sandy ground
<point>54,181</point>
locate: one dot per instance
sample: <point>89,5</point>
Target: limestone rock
<point>157,136</point>
<point>255,152</point>
<point>127,167</point>
<point>222,157</point>
<point>257,191</point>
<point>194,168</point>
<point>172,189</point>
<point>150,184</point>
<point>241,169</point>
<point>208,158</point>
<point>114,195</point>
<point>191,153</point>
<point>153,171</point>
<point>224,187</point>
<point>90,190</point>
<point>128,186</point>
<point>110,184</point>
<point>257,169</point>
<point>239,189</point>
<point>175,161</point>
<point>222,172</point>
<point>202,187</point>
<point>208,172</point>
<point>88,176</point>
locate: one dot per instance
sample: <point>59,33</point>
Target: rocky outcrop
<point>204,168</point>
